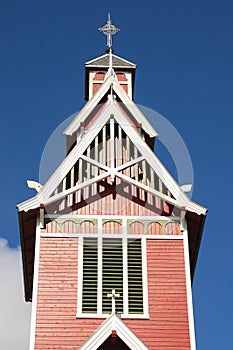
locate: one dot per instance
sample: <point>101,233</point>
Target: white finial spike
<point>109,29</point>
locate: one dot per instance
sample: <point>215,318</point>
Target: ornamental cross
<point>109,29</point>
<point>113,295</point>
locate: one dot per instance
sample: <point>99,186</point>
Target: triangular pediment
<point>113,162</point>
<point>113,326</point>
<point>137,165</point>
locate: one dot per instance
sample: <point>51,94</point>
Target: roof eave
<point>24,239</point>
<point>194,254</point>
<point>128,63</point>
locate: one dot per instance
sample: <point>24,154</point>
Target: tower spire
<point>109,30</point>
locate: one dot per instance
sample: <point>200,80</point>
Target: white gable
<point>113,323</point>
<point>111,82</point>
<point>46,196</point>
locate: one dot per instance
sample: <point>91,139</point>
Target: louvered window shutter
<point>135,286</point>
<point>112,274</point>
<point>90,275</point>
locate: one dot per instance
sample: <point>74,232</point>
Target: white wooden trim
<point>80,274</point>
<point>128,164</point>
<point>100,267</point>
<point>67,163</point>
<point>189,292</point>
<point>110,235</point>
<point>89,315</point>
<point>113,322</point>
<point>133,109</point>
<point>151,158</point>
<point>144,277</point>
<point>149,189</point>
<point>73,189</point>
<point>35,287</point>
<point>130,217</point>
<point>155,163</point>
<point>113,108</point>
<point>112,144</point>
<point>125,98</point>
<point>88,107</point>
<point>122,316</point>
<point>89,63</point>
<point>124,236</point>
<point>167,237</point>
<point>95,163</point>
<point>125,267</point>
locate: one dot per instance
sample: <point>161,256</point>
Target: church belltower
<point>110,242</point>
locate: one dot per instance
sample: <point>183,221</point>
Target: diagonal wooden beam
<point>95,163</point>
<point>129,164</point>
<point>148,189</point>
<point>77,187</point>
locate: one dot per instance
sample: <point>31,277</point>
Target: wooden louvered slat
<point>90,275</point>
<point>135,286</point>
<point>112,274</point>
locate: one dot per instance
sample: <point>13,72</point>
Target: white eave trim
<point>134,110</point>
<point>113,323</point>
<point>92,103</point>
<point>89,106</point>
<point>67,163</point>
<point>180,197</point>
<point>89,63</point>
<point>181,200</point>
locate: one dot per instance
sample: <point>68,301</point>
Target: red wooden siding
<point>96,87</point>
<point>56,325</point>
<point>108,202</point>
<point>167,328</point>
<point>52,226</point>
<point>100,78</point>
<point>122,77</point>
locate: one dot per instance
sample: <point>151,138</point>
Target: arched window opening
<point>172,228</point>
<point>69,226</point>
<point>154,228</point>
<point>136,228</point>
<point>112,227</point>
<point>87,227</point>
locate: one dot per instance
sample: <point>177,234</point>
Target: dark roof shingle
<point>103,61</point>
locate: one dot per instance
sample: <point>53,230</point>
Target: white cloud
<point>14,311</point>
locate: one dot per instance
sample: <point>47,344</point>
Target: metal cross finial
<point>109,29</point>
<point>113,295</point>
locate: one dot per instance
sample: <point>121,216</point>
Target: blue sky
<point>184,53</point>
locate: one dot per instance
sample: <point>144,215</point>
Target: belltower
<point>110,242</point>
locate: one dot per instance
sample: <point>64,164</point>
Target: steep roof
<point>112,108</point>
<point>111,83</point>
<point>103,61</point>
